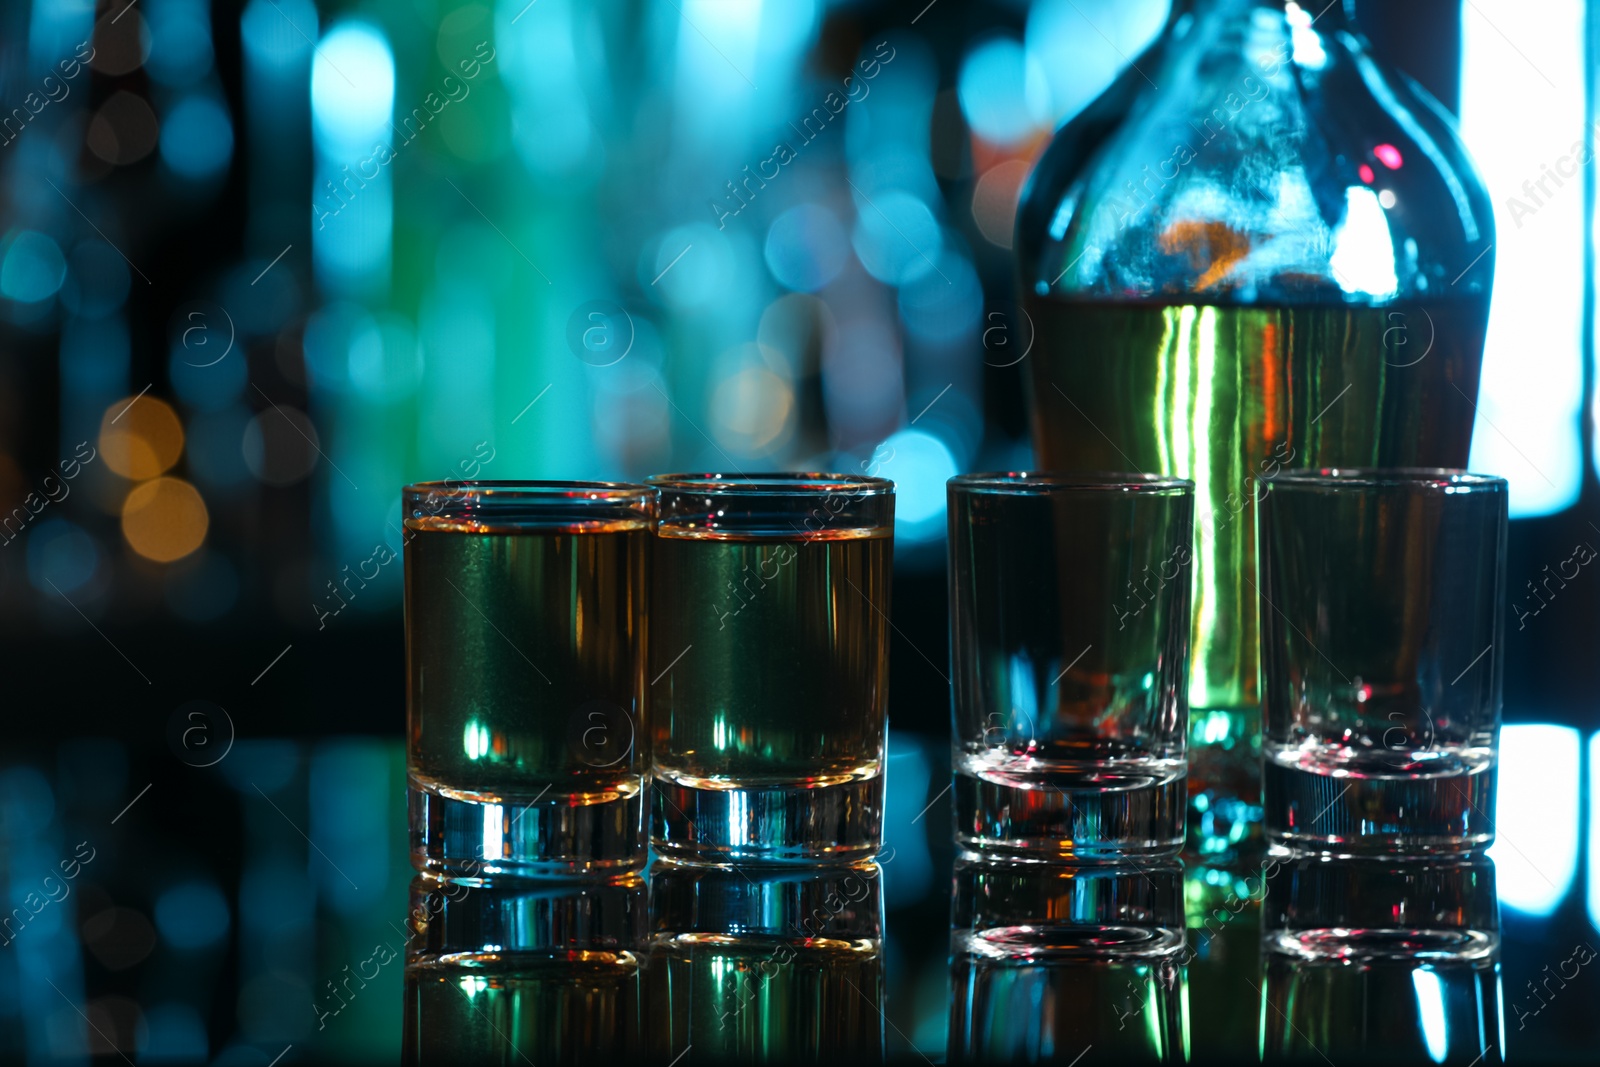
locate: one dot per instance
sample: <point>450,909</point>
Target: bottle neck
<point>1326,16</point>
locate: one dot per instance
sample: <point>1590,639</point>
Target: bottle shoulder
<point>1248,174</point>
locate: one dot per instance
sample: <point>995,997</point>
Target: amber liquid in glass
<point>769,672</point>
<point>784,650</point>
<point>1225,395</point>
<point>525,665</point>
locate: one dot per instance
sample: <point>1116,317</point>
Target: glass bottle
<point>1259,249</point>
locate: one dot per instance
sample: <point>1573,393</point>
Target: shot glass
<point>769,674</point>
<point>519,970</point>
<point>1046,959</point>
<point>525,654</point>
<point>1381,595</point>
<point>1069,641</point>
<point>766,963</point>
<point>1383,956</point>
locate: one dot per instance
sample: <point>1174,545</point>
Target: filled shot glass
<point>526,750</point>
<point>1381,597</point>
<point>769,665</point>
<point>1069,642</point>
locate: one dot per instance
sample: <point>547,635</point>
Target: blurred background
<point>263,263</point>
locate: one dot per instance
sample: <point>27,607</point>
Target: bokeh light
<point>280,446</point>
<point>551,128</point>
<point>121,43</point>
<point>806,247</point>
<point>753,407</point>
<point>896,236</point>
<point>332,333</point>
<point>994,200</point>
<point>1536,814</point>
<point>920,466</point>
<point>192,915</point>
<point>892,165</point>
<point>164,519</point>
<point>118,938</point>
<point>1078,62</point>
<point>692,267</point>
<point>61,556</point>
<point>32,268</point>
<point>385,363</point>
<point>140,437</point>
<point>174,1033</point>
<point>276,34</point>
<point>197,138</point>
<point>98,280</point>
<point>352,89</point>
<point>115,1021</point>
<point>944,305</point>
<point>180,41</point>
<point>1003,91</point>
<point>123,130</point>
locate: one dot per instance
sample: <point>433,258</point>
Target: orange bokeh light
<point>164,519</point>
<point>995,198</point>
<point>140,438</point>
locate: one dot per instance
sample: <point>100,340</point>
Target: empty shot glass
<point>1069,640</point>
<point>1388,957</point>
<point>1381,595</point>
<point>770,668</point>
<point>1047,958</point>
<point>525,654</point>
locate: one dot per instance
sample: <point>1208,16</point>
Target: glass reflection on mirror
<point>1050,962</point>
<point>1395,957</point>
<point>766,965</point>
<point>542,972</point>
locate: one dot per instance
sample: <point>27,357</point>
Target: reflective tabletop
<point>1293,958</point>
<point>264,906</point>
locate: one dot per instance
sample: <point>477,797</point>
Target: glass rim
<point>1047,481</point>
<point>773,483</point>
<point>1455,479</point>
<point>524,490</point>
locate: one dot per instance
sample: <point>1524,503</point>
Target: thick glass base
<point>765,822</point>
<point>1071,812</point>
<point>1310,809</point>
<point>461,835</point>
